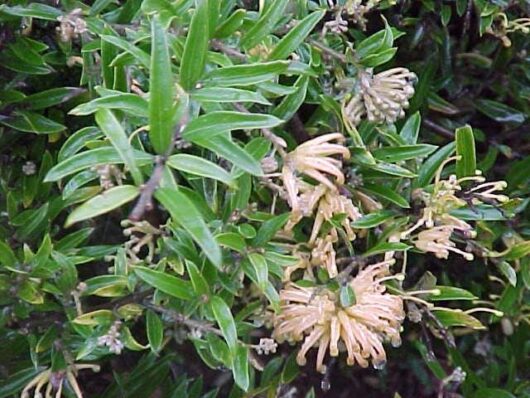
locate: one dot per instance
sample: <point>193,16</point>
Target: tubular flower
<point>446,197</point>
<point>437,240</point>
<point>313,159</point>
<point>329,205</point>
<point>384,96</point>
<point>54,381</point>
<point>324,255</point>
<point>315,315</point>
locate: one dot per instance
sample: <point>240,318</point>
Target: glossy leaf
<point>221,94</point>
<point>265,24</point>
<point>184,212</point>
<point>225,320</point>
<point>109,200</point>
<point>161,94</point>
<point>166,283</point>
<point>245,75</point>
<point>296,36</point>
<point>199,166</point>
<point>131,104</point>
<point>93,157</point>
<point>465,148</point>
<point>215,123</point>
<point>155,330</point>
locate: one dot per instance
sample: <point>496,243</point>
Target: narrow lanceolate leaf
<point>216,123</point>
<point>166,283</point>
<point>411,129</point>
<point>240,367</point>
<point>113,130</point>
<point>51,97</point>
<point>161,90</point>
<point>386,193</point>
<point>155,330</point>
<point>199,166</point>
<point>290,104</point>
<point>225,94</point>
<point>101,204</point>
<point>31,122</point>
<point>196,47</point>
<point>428,169</point>
<point>184,212</point>
<point>265,24</point>
<point>126,102</point>
<point>140,55</point>
<point>93,157</point>
<point>403,152</point>
<point>466,165</point>
<point>245,75</point>
<point>296,36</point>
<point>261,269</point>
<point>225,320</point>
<point>224,147</point>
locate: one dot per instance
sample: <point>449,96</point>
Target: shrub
<point>225,198</point>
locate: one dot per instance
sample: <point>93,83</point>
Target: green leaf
<point>384,247</point>
<point>226,148</point>
<point>196,47</point>
<point>296,36</point>
<point>451,293</point>
<point>184,212</point>
<point>492,393</point>
<point>12,385</point>
<point>410,130</point>
<point>33,10</point>
<point>166,283</point>
<point>465,148</point>
<point>518,250</point>
<point>112,128</point>
<point>373,60</point>
<point>373,219</point>
<point>226,322</point>
<point>219,122</point>
<point>240,368</point>
<point>499,112</point>
<point>31,122</point>
<point>93,157</point>
<point>265,24</point>
<point>94,318</point>
<point>231,240</point>
<point>455,317</point>
<point>140,55</point>
<point>269,229</point>
<point>106,286</point>
<point>260,267</point>
<point>245,75</point>
<point>376,43</point>
<point>199,166</point>
<point>197,279</point>
<point>393,169</point>
<point>7,257</point>
<point>509,273</point>
<point>161,93</point>
<point>221,94</point>
<point>109,200</point>
<point>479,212</point>
<point>347,296</point>
<point>432,164</point>
<point>51,97</point>
<point>77,141</point>
<point>229,26</point>
<point>404,152</point>
<point>386,193</point>
<point>155,330</point>
<point>131,104</point>
<point>290,104</point>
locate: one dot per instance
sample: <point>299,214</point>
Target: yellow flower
<point>324,255</point>
<point>314,314</point>
<point>55,380</point>
<point>313,159</point>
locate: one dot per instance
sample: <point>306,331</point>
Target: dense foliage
<point>258,199</point>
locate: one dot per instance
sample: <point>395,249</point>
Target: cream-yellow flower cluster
<point>315,315</point>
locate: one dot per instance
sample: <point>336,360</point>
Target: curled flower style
<point>329,205</point>
<point>112,339</point>
<point>447,195</point>
<point>437,240</point>
<point>383,97</point>
<point>324,255</point>
<point>315,315</point>
<point>313,159</point>
<point>54,381</point>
